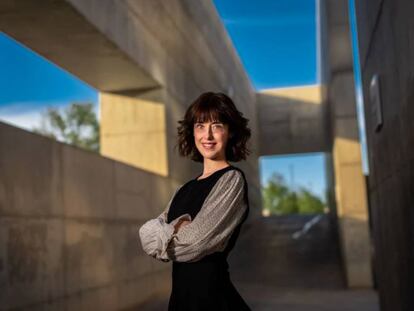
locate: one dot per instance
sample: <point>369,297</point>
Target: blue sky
<point>358,88</point>
<point>276,42</point>
<point>304,170</point>
<point>30,83</point>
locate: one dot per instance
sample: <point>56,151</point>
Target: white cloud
<point>24,119</point>
<point>27,115</point>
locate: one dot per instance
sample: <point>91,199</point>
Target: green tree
<point>309,203</point>
<point>280,200</point>
<point>76,125</point>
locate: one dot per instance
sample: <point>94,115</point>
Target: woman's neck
<point>212,166</point>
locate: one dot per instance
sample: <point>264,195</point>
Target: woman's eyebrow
<point>215,122</point>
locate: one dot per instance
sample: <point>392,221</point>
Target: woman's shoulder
<point>233,174</point>
<point>231,181</point>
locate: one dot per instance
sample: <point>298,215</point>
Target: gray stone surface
<point>386,36</point>
<point>31,258</point>
<point>26,157</point>
<point>88,255</point>
<point>88,184</point>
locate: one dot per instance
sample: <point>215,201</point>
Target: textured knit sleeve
<point>155,234</point>
<point>211,229</point>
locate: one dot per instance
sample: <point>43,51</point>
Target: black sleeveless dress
<point>204,284</point>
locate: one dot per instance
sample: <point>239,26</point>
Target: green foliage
<point>77,125</point>
<point>280,200</point>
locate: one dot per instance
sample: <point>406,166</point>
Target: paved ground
<point>274,271</point>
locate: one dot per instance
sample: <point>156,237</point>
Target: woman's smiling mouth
<point>209,146</point>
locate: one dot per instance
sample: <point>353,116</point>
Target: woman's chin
<point>211,156</point>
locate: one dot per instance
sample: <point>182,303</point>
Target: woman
<point>203,218</point>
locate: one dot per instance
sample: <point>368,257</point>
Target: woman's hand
<point>181,223</point>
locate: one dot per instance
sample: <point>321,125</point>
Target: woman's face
<point>211,139</point>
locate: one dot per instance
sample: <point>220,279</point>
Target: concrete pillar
<point>351,202</point>
<point>133,130</point>
<point>350,188</point>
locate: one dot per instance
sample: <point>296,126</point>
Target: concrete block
<point>347,129</point>
<point>347,151</point>
<point>26,157</point>
<point>88,184</point>
<point>337,12</point>
<point>133,261</point>
<point>178,39</point>
<point>342,95</point>
<point>101,298</point>
<point>340,48</point>
<point>162,281</point>
<point>133,132</point>
<point>133,206</point>
<point>352,191</point>
<point>91,255</point>
<point>59,304</point>
<point>136,199</point>
<point>31,261</point>
<point>134,292</point>
<point>357,250</point>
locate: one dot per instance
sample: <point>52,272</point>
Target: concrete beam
<point>61,34</point>
<point>292,120</point>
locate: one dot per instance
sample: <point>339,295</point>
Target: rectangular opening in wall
<point>293,184</point>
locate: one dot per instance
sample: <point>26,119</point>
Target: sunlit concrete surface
<point>133,130</point>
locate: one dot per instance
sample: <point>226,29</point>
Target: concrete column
<point>350,188</point>
<point>133,130</point>
<point>351,202</point>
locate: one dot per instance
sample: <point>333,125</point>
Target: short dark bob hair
<point>210,106</point>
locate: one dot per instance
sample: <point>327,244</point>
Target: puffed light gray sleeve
<point>211,229</point>
<point>155,234</point>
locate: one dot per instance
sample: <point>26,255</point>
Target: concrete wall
<point>68,227</point>
<point>386,36</point>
